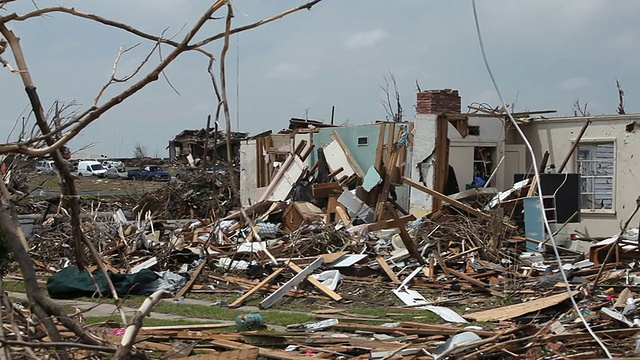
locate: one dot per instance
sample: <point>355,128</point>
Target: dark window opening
<point>363,141</point>
<point>474,130</point>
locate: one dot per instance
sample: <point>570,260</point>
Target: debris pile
<point>328,239</point>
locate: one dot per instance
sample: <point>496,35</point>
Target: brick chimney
<point>438,102</point>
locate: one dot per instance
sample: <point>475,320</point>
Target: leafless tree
<point>53,133</point>
<point>393,107</point>
<point>579,109</point>
<point>139,151</point>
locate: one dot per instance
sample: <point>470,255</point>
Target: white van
<point>45,166</point>
<point>91,168</point>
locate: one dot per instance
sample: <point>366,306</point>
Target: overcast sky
<point>545,54</point>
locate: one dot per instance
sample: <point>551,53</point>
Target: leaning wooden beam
<point>406,238</point>
<point>239,301</point>
<point>387,270</point>
<point>189,283</point>
<point>574,146</point>
<point>278,294</point>
<point>315,282</point>
<point>455,203</point>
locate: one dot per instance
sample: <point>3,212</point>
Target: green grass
<point>221,313</point>
<point>14,286</point>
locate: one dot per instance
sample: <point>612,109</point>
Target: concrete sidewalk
<point>94,309</point>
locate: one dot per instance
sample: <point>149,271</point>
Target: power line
<point>537,175</point>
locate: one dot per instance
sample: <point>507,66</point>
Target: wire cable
<point>539,187</point>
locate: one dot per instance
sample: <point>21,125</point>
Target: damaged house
<point>453,152</point>
<point>211,141</point>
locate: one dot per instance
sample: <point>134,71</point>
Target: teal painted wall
<point>364,155</point>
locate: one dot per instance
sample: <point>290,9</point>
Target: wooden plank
<point>342,215</point>
<point>278,294</point>
<point>151,329</point>
<point>406,238</point>
<point>315,282</point>
<point>390,223</point>
<point>513,311</point>
<point>475,282</point>
<point>268,353</point>
<point>352,160</point>
<point>194,276</point>
<point>255,289</point>
<point>424,329</point>
<point>386,186</point>
<point>441,158</point>
<point>380,148</point>
<point>240,354</point>
<point>383,264</point>
<point>455,203</point>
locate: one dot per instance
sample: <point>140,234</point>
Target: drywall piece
<point>287,176</point>
<point>513,311</point>
<point>144,265</point>
<point>410,297</point>
<point>348,260</point>
<point>278,294</point>
<point>445,313</point>
<point>371,179</point>
<point>347,153</point>
<point>336,158</point>
<point>356,207</point>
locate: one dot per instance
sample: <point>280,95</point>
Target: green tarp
<point>71,282</point>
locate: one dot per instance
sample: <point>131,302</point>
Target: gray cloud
<point>544,53</point>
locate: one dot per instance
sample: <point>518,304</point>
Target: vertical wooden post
<point>206,143</point>
<point>442,159</point>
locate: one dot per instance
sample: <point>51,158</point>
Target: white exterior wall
<point>424,139</point>
<point>557,136</point>
<point>248,180</point>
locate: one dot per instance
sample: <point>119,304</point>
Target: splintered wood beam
<point>476,282</point>
<point>297,279</point>
<point>189,284</point>
<point>239,301</point>
<point>383,264</point>
<point>406,238</point>
<point>315,282</point>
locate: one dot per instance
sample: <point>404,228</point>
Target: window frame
<point>598,141</point>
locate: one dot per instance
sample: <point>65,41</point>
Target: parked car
<point>149,173</point>
<point>91,168</point>
<point>45,166</point>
